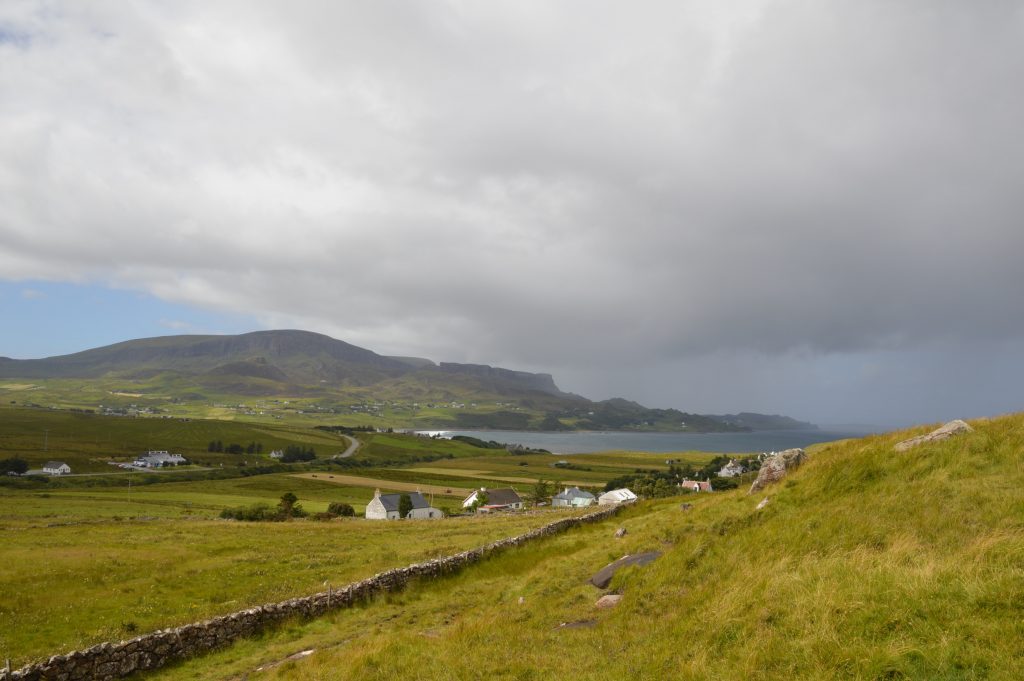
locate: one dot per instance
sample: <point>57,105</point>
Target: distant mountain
<point>311,365</point>
<point>752,421</point>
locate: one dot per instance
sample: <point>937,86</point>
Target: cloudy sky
<point>804,207</point>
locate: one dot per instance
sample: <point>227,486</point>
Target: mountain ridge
<point>304,363</point>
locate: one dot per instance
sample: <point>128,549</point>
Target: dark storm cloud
<point>563,187</point>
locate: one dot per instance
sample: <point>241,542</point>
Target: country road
<point>354,444</point>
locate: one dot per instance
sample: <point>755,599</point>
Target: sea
<point>582,442</point>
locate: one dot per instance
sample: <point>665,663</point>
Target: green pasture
<point>87,441</point>
<point>67,584</point>
<point>865,564</point>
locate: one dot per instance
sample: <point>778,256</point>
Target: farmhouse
<point>56,468</point>
<point>503,499</point>
<point>696,485</point>
<point>385,507</point>
<point>616,496</point>
<point>573,496</point>
<point>159,459</point>
<point>731,469</point>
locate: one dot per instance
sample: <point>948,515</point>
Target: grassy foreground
<point>865,564</point>
<point>68,585</point>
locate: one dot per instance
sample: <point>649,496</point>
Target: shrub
<point>338,508</point>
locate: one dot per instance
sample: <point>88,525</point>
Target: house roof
<point>54,464</point>
<point>619,494</point>
<point>502,497</point>
<point>573,493</point>
<point>701,484</point>
<point>390,501</point>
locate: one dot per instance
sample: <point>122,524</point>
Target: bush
<point>255,513</point>
<point>338,508</point>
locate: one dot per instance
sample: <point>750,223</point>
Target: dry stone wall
<point>151,651</point>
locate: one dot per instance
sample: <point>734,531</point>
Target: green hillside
<point>865,564</point>
<point>299,376</point>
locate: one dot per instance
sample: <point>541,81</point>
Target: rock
<point>764,502</point>
<point>603,577</point>
<point>947,431</point>
<point>685,507</point>
<point>620,533</point>
<point>608,601</point>
<point>522,600</point>
<point>776,467</point>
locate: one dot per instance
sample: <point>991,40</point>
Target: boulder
<point>775,468</point>
<point>608,601</point>
<point>603,577</point>
<point>764,502</point>
<point>946,431</point>
<point>620,533</point>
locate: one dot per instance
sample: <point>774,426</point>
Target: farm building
<point>385,507</point>
<point>503,499</point>
<point>573,496</point>
<point>616,496</point>
<point>159,459</point>
<point>696,485</point>
<point>56,468</point>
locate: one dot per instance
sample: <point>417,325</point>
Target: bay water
<point>579,442</point>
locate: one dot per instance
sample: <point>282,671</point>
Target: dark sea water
<point>582,442</point>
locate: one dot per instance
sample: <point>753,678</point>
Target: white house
<point>573,496</point>
<point>158,459</point>
<point>731,469</point>
<point>696,486</point>
<point>502,499</point>
<point>616,496</point>
<point>385,507</point>
<point>56,468</point>
<point>277,454</point>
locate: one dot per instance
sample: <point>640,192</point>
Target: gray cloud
<point>567,188</point>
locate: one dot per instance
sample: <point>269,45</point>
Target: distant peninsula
<point>306,376</point>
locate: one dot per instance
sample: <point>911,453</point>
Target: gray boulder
<point>946,431</point>
<point>603,577</point>
<point>775,468</point>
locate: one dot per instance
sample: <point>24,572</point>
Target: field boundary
<point>164,646</point>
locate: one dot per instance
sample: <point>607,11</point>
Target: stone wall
<point>150,651</point>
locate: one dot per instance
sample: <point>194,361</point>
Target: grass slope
<point>865,564</point>
<point>67,585</point>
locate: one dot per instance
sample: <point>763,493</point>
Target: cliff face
<point>522,380</point>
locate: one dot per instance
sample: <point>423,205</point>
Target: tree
<point>338,508</point>
<point>404,505</point>
<point>13,465</point>
<point>289,507</point>
<point>541,491</point>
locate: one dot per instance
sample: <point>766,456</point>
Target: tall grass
<point>865,564</point>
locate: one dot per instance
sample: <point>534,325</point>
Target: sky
<point>797,207</point>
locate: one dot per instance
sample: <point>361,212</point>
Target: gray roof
<point>390,501</point>
<point>500,497</point>
<point>571,493</point>
<point>54,464</point>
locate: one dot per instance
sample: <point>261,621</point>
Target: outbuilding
<point>385,507</point>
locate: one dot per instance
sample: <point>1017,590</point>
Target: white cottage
<point>616,496</point>
<point>56,468</point>
<point>731,469</point>
<point>574,497</point>
<point>503,499</point>
<point>385,507</point>
<point>159,459</point>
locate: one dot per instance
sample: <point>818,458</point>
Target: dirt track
<point>388,485</point>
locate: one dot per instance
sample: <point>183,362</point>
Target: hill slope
<point>300,364</point>
<point>865,564</point>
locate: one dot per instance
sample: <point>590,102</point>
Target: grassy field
<point>65,585</point>
<point>87,441</point>
<point>865,564</point>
